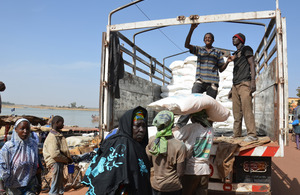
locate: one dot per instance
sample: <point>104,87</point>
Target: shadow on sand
<point>282,184</point>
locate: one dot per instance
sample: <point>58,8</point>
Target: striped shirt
<point>206,61</point>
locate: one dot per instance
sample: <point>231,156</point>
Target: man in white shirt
<point>198,140</point>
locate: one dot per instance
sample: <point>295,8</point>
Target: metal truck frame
<point>270,99</point>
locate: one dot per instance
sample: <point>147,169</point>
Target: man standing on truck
<point>243,87</point>
<point>209,61</point>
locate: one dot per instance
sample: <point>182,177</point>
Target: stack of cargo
<point>183,77</point>
<point>82,144</point>
<point>225,85</point>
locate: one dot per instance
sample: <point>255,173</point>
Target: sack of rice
<point>192,103</point>
<point>176,64</point>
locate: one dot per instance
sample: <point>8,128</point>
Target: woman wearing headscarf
<point>167,155</point>
<point>121,165</point>
<point>19,162</point>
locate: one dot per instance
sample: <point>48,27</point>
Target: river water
<point>81,118</point>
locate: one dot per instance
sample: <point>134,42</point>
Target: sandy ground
<point>285,173</point>
<point>80,191</point>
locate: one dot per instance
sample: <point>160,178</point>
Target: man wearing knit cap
<point>243,87</point>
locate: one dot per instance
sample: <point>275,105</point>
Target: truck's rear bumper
<point>258,148</point>
<point>239,188</point>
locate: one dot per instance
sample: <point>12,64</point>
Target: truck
<point>144,75</point>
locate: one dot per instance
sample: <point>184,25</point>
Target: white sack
<point>175,93</point>
<point>73,141</point>
<point>176,64</point>
<point>183,92</point>
<point>179,79</point>
<point>191,60</point>
<point>225,74</point>
<point>184,71</point>
<point>188,104</point>
<point>166,94</point>
<point>188,65</point>
<point>227,105</point>
<point>225,84</point>
<point>173,88</point>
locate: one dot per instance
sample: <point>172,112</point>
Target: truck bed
<point>262,147</point>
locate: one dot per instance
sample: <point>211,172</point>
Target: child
<point>56,155</point>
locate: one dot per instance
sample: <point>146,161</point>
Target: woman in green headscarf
<point>167,156</point>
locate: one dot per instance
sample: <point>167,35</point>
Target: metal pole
<point>107,96</point>
<point>102,86</point>
<point>140,32</point>
<point>280,79</point>
<point>120,8</point>
<point>134,47</point>
<point>173,56</point>
<point>285,72</point>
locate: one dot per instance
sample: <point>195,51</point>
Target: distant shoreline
<point>47,107</point>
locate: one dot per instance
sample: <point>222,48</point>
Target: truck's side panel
<point>135,91</point>
<point>265,102</point>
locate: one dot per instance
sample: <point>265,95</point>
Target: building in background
<point>293,103</point>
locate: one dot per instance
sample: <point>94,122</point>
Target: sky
<point>50,51</point>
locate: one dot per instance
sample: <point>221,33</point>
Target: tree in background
<point>73,105</point>
<point>290,107</point>
<point>298,94</point>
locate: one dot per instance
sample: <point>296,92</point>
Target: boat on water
<point>95,118</point>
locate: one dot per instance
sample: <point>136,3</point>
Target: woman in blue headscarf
<point>19,162</point>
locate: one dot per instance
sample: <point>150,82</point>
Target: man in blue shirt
<point>209,61</point>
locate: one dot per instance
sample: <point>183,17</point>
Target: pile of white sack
<point>183,77</point>
<point>74,141</point>
<point>192,103</point>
